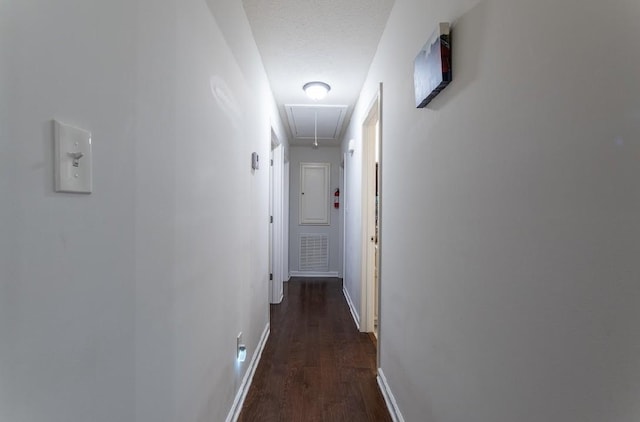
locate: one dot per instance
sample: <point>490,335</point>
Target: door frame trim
<point>276,210</point>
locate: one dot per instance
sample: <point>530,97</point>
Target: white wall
<point>124,304</point>
<point>305,154</point>
<point>511,213</point>
<point>8,212</point>
<point>352,278</point>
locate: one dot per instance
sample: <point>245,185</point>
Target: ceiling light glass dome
<point>316,90</point>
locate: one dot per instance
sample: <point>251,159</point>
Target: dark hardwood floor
<point>316,366</point>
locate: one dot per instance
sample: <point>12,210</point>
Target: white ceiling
<point>317,40</point>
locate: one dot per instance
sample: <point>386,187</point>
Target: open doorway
<point>371,210</point>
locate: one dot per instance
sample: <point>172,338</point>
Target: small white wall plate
<point>72,159</point>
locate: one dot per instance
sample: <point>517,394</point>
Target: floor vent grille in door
<point>314,252</point>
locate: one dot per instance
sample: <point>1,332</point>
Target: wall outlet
<point>241,349</point>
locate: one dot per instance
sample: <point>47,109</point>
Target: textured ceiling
<point>327,40</point>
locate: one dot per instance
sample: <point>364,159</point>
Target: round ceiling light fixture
<point>316,90</point>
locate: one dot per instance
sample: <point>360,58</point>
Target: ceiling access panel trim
<point>301,120</point>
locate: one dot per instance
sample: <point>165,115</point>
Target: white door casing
<point>277,222</point>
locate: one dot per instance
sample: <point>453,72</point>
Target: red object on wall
<point>336,199</point>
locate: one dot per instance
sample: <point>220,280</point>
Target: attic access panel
<point>302,120</point>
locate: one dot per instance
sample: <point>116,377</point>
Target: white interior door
<point>314,193</point>
<point>371,213</point>
<point>343,204</point>
<point>276,221</point>
<point>272,245</point>
<point>285,220</point>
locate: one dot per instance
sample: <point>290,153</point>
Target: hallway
<point>509,211</point>
<point>316,365</point>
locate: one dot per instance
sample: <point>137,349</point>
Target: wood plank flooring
<point>316,366</point>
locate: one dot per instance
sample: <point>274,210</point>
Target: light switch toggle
<point>72,159</point>
<point>76,158</point>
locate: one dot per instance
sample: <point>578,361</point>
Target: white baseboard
<point>236,408</point>
<point>314,274</point>
<point>392,405</point>
<point>279,300</point>
<point>354,313</point>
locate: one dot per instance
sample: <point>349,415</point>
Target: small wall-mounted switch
<point>255,161</point>
<point>72,159</point>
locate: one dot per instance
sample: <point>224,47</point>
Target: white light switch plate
<point>73,160</point>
